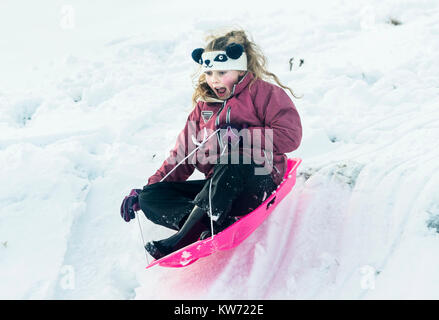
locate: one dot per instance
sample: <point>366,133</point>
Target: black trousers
<point>233,190</point>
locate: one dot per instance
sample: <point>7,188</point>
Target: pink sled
<point>232,236</point>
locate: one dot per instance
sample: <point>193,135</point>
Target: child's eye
<point>208,73</point>
<point>222,73</point>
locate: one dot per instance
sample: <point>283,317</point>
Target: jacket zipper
<point>217,120</point>
<point>218,134</point>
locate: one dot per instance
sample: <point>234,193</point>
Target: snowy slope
<point>90,109</point>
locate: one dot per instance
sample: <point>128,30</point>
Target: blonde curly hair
<point>256,62</point>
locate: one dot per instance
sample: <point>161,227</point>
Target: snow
<point>93,95</point>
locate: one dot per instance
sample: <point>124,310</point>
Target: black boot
<point>189,233</point>
<point>217,228</point>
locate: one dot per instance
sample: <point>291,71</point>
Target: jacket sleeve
<point>282,119</point>
<point>178,153</point>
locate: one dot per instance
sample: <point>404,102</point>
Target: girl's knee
<point>145,197</point>
<point>148,192</point>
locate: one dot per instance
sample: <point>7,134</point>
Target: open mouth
<point>221,91</point>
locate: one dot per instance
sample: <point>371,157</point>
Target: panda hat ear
<point>196,55</point>
<point>234,50</point>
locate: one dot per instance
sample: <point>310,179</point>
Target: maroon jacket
<point>260,107</point>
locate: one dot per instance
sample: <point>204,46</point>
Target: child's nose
<point>215,77</point>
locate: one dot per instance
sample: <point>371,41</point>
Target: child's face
<point>221,82</point>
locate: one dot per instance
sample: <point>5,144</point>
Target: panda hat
<point>233,58</point>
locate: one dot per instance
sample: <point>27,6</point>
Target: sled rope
<point>143,240</point>
<point>210,209</point>
<point>199,145</point>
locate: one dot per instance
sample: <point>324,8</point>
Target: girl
<point>237,135</point>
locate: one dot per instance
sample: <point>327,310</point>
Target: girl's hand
<point>230,134</point>
<point>130,204</point>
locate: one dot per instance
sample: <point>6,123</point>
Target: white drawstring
<point>143,240</point>
<point>224,149</point>
<point>210,209</point>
